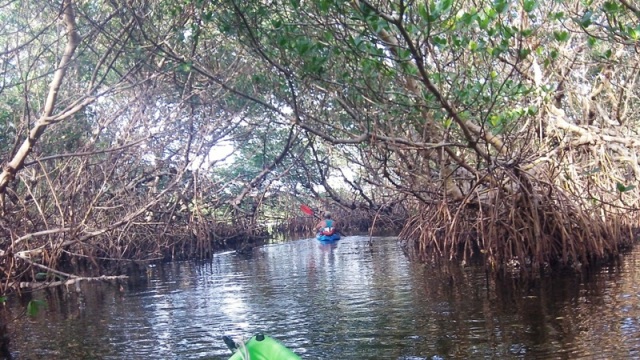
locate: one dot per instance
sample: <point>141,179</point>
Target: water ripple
<point>350,301</point>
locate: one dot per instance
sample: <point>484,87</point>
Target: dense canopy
<point>160,129</point>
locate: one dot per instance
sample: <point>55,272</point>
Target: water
<point>351,300</point>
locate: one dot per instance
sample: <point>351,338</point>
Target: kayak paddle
<point>230,343</point>
<point>307,210</point>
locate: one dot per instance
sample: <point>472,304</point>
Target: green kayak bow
<point>260,347</point>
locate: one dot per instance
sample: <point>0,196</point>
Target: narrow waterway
<point>350,300</point>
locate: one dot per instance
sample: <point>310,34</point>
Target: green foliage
<point>530,5</point>
<point>624,188</point>
<point>611,7</point>
<point>339,71</point>
<point>561,36</point>
<point>500,6</point>
<point>35,306</point>
<point>435,10</point>
<point>586,20</point>
<point>185,67</point>
<point>634,32</point>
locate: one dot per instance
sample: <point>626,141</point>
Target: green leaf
<point>283,40</point>
<point>500,6</point>
<point>378,23</point>
<point>526,32</point>
<point>457,41</point>
<point>622,188</point>
<point>422,10</point>
<point>468,18</point>
<point>357,41</point>
<point>483,22</point>
<point>611,7</point>
<point>491,13</point>
<point>34,307</point>
<point>185,67</point>
<point>41,276</point>
<point>303,46</point>
<point>225,28</point>
<point>585,21</point>
<point>404,54</point>
<point>530,5</point>
<point>558,15</point>
<point>324,5</point>
<point>257,78</point>
<point>434,14</point>
<point>315,65</point>
<point>444,5</point>
<point>328,36</point>
<point>561,36</point>
<point>3,299</point>
<point>523,53</point>
<point>439,40</point>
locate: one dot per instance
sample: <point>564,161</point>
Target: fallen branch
<point>37,285</point>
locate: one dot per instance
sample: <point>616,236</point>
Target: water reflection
<point>346,300</point>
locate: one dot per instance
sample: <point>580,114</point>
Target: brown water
<point>348,301</point>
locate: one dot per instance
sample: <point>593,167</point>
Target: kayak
<point>262,347</point>
<point>328,238</point>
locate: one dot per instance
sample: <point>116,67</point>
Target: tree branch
<point>73,39</point>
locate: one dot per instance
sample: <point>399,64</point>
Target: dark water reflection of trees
<point>349,300</point>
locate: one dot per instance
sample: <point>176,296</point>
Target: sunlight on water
<point>349,300</point>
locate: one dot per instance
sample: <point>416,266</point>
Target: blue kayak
<point>328,238</point>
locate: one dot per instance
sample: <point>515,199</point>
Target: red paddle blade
<point>305,209</point>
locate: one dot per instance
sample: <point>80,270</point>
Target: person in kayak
<point>327,225</point>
